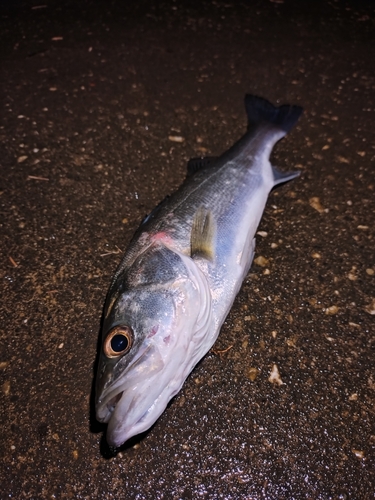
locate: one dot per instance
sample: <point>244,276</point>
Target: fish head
<point>152,337</point>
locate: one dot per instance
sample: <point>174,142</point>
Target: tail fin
<point>260,110</point>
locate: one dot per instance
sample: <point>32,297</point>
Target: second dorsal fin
<point>195,164</point>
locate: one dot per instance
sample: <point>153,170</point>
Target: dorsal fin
<point>195,164</point>
<point>155,210</point>
<point>203,234</point>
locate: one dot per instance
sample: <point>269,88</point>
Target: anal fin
<point>202,240</point>
<point>282,177</point>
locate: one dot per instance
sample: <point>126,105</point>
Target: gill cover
<point>165,305</point>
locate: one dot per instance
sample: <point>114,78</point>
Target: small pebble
<point>274,377</point>
<point>359,453</point>
<point>315,203</point>
<point>342,159</point>
<point>6,388</point>
<point>352,274</point>
<point>176,138</point>
<point>370,308</point>
<point>354,325</point>
<point>261,261</point>
<point>332,310</point>
<point>252,373</point>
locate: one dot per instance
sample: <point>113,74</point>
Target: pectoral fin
<point>203,234</point>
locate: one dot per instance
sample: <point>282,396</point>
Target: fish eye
<point>118,341</point>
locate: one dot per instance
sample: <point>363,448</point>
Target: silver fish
<point>181,273</point>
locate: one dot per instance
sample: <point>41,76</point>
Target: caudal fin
<point>260,110</point>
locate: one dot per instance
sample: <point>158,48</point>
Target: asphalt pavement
<point>102,104</point>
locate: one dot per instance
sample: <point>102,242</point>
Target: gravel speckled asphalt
<point>91,95</point>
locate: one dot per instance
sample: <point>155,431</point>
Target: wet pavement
<point>93,96</point>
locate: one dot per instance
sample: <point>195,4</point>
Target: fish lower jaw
<point>118,432</point>
<point>117,435</point>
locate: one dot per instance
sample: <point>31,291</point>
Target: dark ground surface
<point>90,94</point>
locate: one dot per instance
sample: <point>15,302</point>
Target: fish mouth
<point>111,404</point>
<point>131,405</point>
<point>128,416</point>
<point>141,396</point>
<point>109,395</point>
<point>110,407</point>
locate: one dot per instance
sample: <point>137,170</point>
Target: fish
<point>181,273</point>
